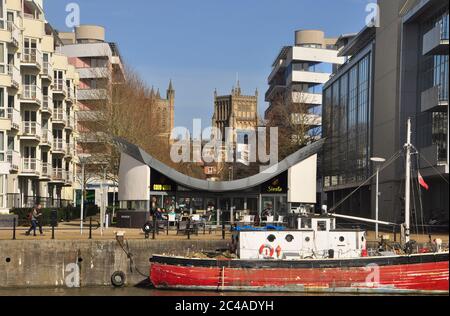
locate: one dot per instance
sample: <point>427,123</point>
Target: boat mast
<point>408,146</point>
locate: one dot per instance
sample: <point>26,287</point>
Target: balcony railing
<point>30,165</point>
<point>13,158</point>
<point>46,102</point>
<point>68,177</point>
<point>14,73</point>
<point>46,170</point>
<point>32,56</point>
<point>32,129</point>
<point>58,145</point>
<point>58,115</point>
<point>70,121</point>
<point>70,149</point>
<point>32,93</point>
<point>15,33</point>
<point>47,69</point>
<point>60,86</point>
<point>47,137</point>
<point>14,116</point>
<point>58,174</point>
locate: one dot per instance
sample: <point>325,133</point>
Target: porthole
<point>341,239</point>
<point>271,238</point>
<point>8,260</point>
<point>289,238</point>
<point>307,239</point>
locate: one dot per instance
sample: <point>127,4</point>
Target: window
<point>2,146</point>
<point>2,14</point>
<point>2,103</point>
<point>3,54</point>
<point>321,226</point>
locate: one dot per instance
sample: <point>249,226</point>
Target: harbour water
<point>128,291</point>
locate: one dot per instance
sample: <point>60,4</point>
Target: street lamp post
<point>378,161</point>
<point>83,160</point>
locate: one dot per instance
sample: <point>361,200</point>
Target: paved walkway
<point>71,231</point>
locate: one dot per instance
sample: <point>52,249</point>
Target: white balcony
<point>30,167</point>
<point>59,116</point>
<point>14,73</point>
<point>13,158</point>
<point>15,33</point>
<point>14,116</point>
<point>60,87</point>
<point>31,93</point>
<point>302,76</point>
<point>59,146</point>
<point>47,102</point>
<point>47,138</point>
<point>32,57</point>
<point>94,73</point>
<point>46,170</point>
<point>70,122</point>
<point>316,55</point>
<point>92,94</point>
<point>306,98</point>
<point>312,120</point>
<point>31,130</point>
<point>58,175</point>
<point>47,70</point>
<point>276,69</point>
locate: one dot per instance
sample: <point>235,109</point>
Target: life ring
<point>266,248</point>
<point>118,279</point>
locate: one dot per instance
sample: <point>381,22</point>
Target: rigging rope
<point>384,166</point>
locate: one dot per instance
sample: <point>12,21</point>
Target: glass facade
<point>346,125</point>
<point>433,72</point>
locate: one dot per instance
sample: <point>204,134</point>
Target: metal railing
<point>58,145</point>
<point>13,158</point>
<point>47,69</point>
<point>32,56</point>
<point>14,115</point>
<point>46,170</point>
<point>30,165</point>
<point>15,32</point>
<point>59,86</point>
<point>47,137</point>
<point>31,129</point>
<point>58,174</point>
<point>14,73</point>
<point>58,115</point>
<point>32,93</point>
<point>46,102</point>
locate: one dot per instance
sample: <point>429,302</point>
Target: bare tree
<point>298,125</point>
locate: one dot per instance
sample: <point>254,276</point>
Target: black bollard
<point>90,228</point>
<point>154,228</point>
<point>188,228</point>
<point>167,230</point>
<point>53,230</point>
<point>223,228</point>
<point>14,228</point>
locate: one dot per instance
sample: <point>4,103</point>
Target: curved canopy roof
<point>204,185</point>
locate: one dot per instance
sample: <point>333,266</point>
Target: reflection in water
<point>129,291</point>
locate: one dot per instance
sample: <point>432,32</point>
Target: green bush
<point>63,214</point>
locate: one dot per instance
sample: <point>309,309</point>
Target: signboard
<point>277,185</point>
<point>160,183</point>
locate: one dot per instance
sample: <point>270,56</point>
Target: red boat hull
<point>423,274</point>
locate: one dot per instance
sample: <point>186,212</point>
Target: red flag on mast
<point>422,182</point>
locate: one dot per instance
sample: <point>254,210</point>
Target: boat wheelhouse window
<point>306,223</point>
<point>322,226</point>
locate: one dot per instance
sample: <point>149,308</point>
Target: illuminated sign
<point>160,183</point>
<point>277,185</point>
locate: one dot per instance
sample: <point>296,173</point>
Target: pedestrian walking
<point>34,216</point>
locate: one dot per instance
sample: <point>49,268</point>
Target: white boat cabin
<point>316,237</point>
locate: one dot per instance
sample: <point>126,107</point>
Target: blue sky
<point>202,44</point>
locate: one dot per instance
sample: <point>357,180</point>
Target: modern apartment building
<point>298,74</point>
<point>99,66</point>
<point>397,70</point>
<point>37,106</point>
